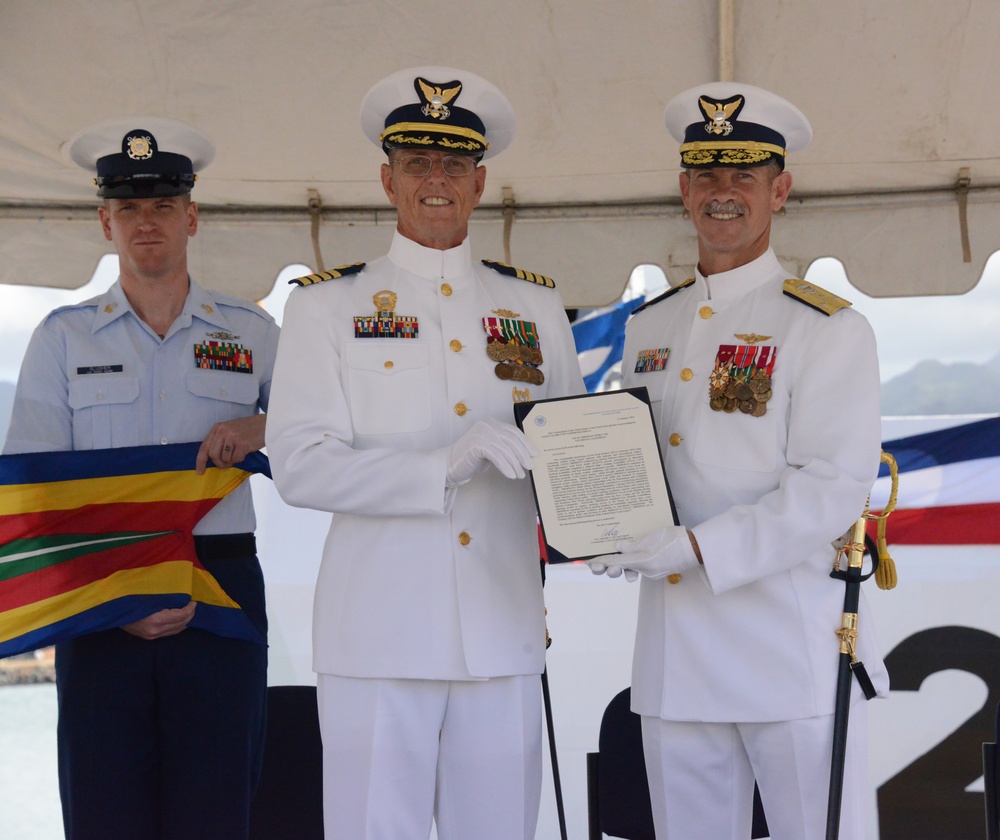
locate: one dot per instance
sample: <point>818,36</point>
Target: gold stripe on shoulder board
<point>520,273</point>
<point>814,296</point>
<point>332,274</point>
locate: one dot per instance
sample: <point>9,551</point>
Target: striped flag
<point>96,539</point>
<point>949,486</point>
<point>600,340</point>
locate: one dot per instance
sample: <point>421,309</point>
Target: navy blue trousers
<point>163,739</point>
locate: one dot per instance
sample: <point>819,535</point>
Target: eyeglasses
<point>420,165</point>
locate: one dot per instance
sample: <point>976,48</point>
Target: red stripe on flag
<point>83,570</point>
<point>977,524</point>
<point>100,519</point>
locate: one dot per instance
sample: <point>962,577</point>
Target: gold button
<point>445,289</point>
<point>675,439</point>
<point>388,365</point>
<point>455,345</point>
<point>706,312</point>
<point>686,374</point>
<point>464,538</point>
<point>460,409</point>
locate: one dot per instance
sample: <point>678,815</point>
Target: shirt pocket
<point>389,387</point>
<point>232,395</point>
<point>736,441</point>
<point>105,411</point>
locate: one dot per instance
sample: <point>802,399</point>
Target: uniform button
<point>686,374</point>
<point>163,395</point>
<point>163,440</point>
<point>445,289</point>
<point>100,395</point>
<point>455,345</point>
<point>223,392</point>
<point>389,365</point>
<point>675,439</point>
<point>464,538</point>
<point>706,312</point>
<point>460,409</point>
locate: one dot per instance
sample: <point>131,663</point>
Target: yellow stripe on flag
<point>144,487</point>
<point>170,577</point>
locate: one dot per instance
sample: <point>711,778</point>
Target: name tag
<point>84,371</point>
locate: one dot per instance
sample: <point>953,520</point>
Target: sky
<point>957,328</point>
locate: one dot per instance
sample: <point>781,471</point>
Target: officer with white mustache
<point>765,391</point>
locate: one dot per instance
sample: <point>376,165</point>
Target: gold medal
<point>741,390</point>
<point>741,376</point>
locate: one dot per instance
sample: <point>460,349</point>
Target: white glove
<point>601,566</point>
<point>489,442</point>
<point>665,551</point>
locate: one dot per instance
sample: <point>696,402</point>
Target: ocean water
<point>29,786</point>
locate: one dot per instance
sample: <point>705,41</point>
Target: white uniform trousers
<point>399,753</point>
<point>701,777</point>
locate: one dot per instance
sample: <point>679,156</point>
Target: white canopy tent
<point>901,183</point>
<point>904,162</point>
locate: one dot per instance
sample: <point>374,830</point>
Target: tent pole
<point>727,57</point>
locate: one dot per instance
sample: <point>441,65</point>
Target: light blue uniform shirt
<point>96,376</point>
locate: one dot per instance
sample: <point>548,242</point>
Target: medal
<point>513,345</point>
<point>741,377</point>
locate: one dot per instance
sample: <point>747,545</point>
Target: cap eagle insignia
<point>719,113</point>
<point>437,97</point>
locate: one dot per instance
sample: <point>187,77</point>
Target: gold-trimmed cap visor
<point>421,134</point>
<point>746,153</point>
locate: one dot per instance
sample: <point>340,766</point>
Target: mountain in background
<point>932,387</point>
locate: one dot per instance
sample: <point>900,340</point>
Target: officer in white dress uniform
<point>765,391</point>
<point>392,408</point>
<point>160,725</point>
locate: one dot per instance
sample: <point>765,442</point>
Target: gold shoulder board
<point>671,291</point>
<point>332,274</point>
<point>520,274</point>
<point>819,299</point>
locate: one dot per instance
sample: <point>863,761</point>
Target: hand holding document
<point>598,476</point>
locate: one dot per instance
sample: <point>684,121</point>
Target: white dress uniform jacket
<point>95,376</point>
<point>416,581</point>
<point>751,635</point>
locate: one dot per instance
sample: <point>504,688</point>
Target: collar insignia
<point>110,307</point>
<point>207,308</point>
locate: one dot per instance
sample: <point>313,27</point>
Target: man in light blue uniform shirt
<point>160,725</point>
